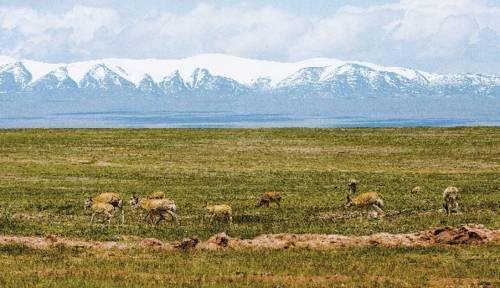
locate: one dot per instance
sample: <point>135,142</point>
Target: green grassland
<point>45,176</point>
<point>358,267</point>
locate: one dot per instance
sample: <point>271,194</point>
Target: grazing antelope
<point>100,208</point>
<point>268,197</point>
<point>416,190</point>
<point>155,207</point>
<point>450,200</point>
<point>221,211</point>
<point>351,185</point>
<point>113,199</point>
<point>367,199</point>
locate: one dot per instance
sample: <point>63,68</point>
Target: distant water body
<point>221,119</point>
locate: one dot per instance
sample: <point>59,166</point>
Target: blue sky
<point>441,36</point>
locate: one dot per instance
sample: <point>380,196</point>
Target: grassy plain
<point>358,267</point>
<point>45,175</point>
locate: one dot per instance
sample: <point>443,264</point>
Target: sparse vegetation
<point>380,267</point>
<point>46,174</point>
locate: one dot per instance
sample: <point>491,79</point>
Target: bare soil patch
<point>470,234</point>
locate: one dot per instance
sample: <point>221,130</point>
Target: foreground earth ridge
<point>468,234</point>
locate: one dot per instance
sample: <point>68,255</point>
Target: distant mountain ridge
<point>214,73</point>
<point>215,82</point>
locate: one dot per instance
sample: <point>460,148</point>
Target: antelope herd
<point>157,207</point>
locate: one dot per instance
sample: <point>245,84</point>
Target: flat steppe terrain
<point>45,176</point>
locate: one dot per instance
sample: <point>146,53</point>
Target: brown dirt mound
<point>462,235</point>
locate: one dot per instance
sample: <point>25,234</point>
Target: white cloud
<point>445,35</point>
<point>264,32</point>
<point>41,34</point>
<point>85,21</point>
<point>428,34</point>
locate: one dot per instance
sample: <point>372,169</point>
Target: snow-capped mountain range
<point>217,82</point>
<point>227,75</point>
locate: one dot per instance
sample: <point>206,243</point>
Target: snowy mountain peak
<point>19,72</point>
<point>101,77</point>
<point>199,77</point>
<point>147,78</point>
<point>148,86</point>
<point>302,77</point>
<point>175,76</point>
<point>60,73</point>
<point>100,71</point>
<point>354,69</point>
<point>57,79</point>
<point>173,84</point>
